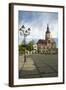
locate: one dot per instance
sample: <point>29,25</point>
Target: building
<point>35,48</point>
<point>48,45</point>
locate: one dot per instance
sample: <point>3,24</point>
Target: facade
<point>34,48</point>
<point>48,45</point>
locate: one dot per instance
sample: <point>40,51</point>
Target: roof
<point>41,41</point>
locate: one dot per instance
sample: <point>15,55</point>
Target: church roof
<point>41,41</point>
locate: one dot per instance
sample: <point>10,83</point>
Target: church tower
<point>47,35</point>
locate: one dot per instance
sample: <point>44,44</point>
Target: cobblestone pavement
<point>38,65</point>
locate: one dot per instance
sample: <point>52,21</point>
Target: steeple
<point>47,33</point>
<point>47,29</point>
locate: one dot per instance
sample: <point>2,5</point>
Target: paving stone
<point>45,69</point>
<point>34,68</point>
<point>49,75</point>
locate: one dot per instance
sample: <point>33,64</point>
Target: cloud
<point>38,21</point>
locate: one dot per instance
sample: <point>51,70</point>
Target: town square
<point>38,46</point>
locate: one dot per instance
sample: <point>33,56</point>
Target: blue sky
<point>38,21</point>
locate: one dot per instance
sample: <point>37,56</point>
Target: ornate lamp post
<point>25,33</point>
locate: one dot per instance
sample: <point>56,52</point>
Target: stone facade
<point>48,45</point>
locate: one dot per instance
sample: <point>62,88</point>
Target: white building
<point>35,46</point>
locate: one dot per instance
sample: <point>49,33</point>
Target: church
<point>47,45</point>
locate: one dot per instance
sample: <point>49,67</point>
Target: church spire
<point>47,33</point>
<point>47,29</point>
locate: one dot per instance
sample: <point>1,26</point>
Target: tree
<point>21,49</point>
<point>29,46</point>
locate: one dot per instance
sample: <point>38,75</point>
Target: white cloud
<point>38,27</point>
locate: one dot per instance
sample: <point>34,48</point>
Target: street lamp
<point>25,34</point>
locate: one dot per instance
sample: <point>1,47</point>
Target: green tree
<point>30,46</point>
<point>21,49</point>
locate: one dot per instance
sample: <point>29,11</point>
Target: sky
<point>37,22</point>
